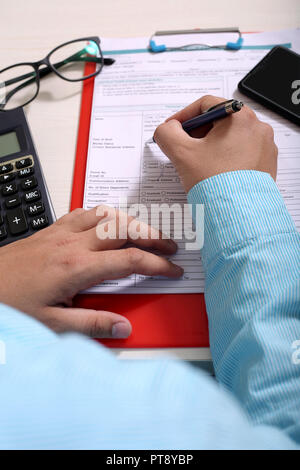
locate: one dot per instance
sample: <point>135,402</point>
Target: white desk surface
<point>31,28</point>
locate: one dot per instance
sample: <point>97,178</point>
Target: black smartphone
<point>275,83</point>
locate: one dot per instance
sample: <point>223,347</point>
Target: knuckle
<point>248,113</point>
<point>54,323</point>
<point>66,218</point>
<point>134,255</point>
<point>267,130</point>
<point>102,208</point>
<point>61,220</point>
<point>78,211</point>
<point>105,211</point>
<point>65,239</point>
<point>72,261</point>
<point>96,328</point>
<point>274,153</point>
<point>207,98</point>
<point>207,101</point>
<point>159,131</point>
<point>69,260</point>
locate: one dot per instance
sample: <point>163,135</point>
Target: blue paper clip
<point>155,48</point>
<point>235,46</point>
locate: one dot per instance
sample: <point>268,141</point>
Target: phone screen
<point>277,78</point>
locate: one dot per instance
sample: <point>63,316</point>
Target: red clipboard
<point>158,320</point>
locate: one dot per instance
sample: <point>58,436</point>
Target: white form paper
<point>139,92</point>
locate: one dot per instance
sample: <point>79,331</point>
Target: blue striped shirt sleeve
<point>251,261</point>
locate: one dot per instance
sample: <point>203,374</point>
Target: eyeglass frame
<point>50,68</point>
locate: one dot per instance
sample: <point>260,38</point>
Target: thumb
<point>94,323</point>
<point>172,139</point>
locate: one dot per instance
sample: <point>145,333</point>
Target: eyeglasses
<point>73,61</point>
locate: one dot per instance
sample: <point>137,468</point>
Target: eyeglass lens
<point>70,60</point>
<point>13,93</point>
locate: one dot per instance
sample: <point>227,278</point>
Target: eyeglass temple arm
<point>42,73</point>
<point>12,92</point>
<point>46,70</point>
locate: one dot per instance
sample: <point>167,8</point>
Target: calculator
<point>24,198</point>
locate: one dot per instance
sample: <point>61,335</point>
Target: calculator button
<point>8,189</point>
<point>26,172</point>
<point>12,202</point>
<point>39,222</point>
<point>7,178</point>
<point>6,168</point>
<point>16,221</point>
<point>23,163</point>
<point>29,183</point>
<point>3,233</point>
<point>35,209</point>
<point>32,196</point>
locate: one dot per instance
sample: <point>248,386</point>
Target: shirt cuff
<point>239,206</point>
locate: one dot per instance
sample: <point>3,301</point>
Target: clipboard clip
<point>230,46</point>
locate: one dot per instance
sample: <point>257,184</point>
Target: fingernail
<point>172,244</point>
<point>121,330</point>
<point>180,270</point>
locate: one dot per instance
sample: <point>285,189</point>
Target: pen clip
<point>219,105</point>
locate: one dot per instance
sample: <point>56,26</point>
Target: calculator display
<point>9,144</point>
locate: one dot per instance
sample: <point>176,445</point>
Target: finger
<point>68,219</point>
<point>94,323</point>
<point>246,117</point>
<point>92,269</point>
<point>173,140</point>
<point>81,219</point>
<point>111,229</point>
<point>196,108</point>
<point>127,229</point>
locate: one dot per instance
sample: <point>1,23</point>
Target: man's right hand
<point>238,142</point>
